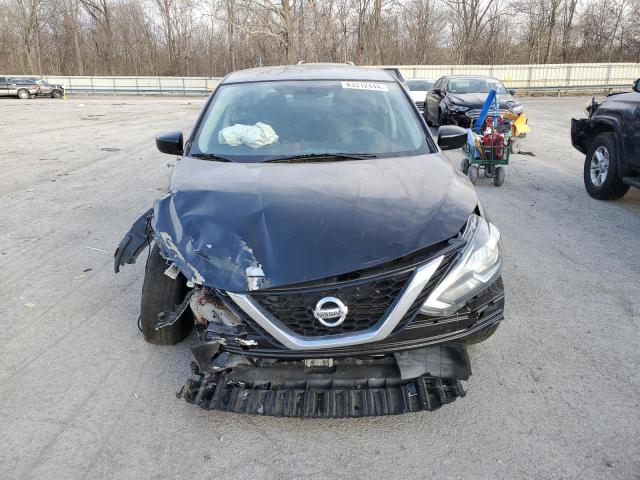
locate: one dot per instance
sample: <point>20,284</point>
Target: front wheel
<point>472,173</point>
<point>161,293</point>
<point>498,179</point>
<point>464,165</point>
<point>56,94</point>
<point>23,94</point>
<point>602,175</point>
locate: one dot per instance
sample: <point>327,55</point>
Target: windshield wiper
<point>210,156</point>
<point>322,157</point>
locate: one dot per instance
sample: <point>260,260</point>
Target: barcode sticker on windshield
<point>380,87</point>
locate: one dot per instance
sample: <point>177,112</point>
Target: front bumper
<point>241,367</point>
<point>579,129</point>
<point>467,118</point>
<point>349,389</point>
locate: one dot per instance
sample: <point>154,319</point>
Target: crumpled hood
<point>476,100</point>
<point>240,227</point>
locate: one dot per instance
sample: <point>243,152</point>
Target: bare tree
<point>213,37</point>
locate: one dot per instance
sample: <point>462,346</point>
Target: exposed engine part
<point>204,355</point>
<point>166,319</point>
<point>208,307</point>
<point>209,358</point>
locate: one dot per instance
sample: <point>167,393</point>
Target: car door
<point>4,88</point>
<point>433,100</point>
<point>633,158</point>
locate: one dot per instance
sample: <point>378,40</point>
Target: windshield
<point>266,121</point>
<point>420,85</point>
<point>474,85</point>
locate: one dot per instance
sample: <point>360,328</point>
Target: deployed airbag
<point>254,136</point>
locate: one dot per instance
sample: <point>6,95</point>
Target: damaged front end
<point>266,351</point>
<point>227,376</point>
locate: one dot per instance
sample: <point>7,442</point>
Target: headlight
<point>478,267</point>
<point>458,108</point>
<point>516,108</point>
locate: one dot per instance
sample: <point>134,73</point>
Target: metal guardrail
<point>94,85</point>
<point>524,77</point>
<point>533,79</point>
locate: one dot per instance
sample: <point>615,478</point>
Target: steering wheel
<point>372,132</point>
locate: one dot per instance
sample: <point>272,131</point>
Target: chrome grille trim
<point>380,331</point>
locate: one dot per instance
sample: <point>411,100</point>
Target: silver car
<point>54,90</point>
<point>13,87</point>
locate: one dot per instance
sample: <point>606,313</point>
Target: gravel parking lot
<point>554,394</point>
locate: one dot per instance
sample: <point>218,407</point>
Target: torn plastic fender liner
<point>136,239</point>
<point>444,360</point>
<point>240,227</point>
<point>223,382</point>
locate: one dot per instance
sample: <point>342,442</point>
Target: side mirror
<point>636,86</point>
<point>451,137</point>
<point>437,91</point>
<point>512,92</point>
<point>170,142</point>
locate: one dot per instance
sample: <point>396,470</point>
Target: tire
<point>514,145</point>
<point>426,114</point>
<point>490,171</point>
<point>464,165</point>
<point>161,293</point>
<point>602,174</point>
<point>482,335</point>
<point>23,94</point>
<point>56,94</point>
<point>472,173</point>
<point>499,177</point>
<point>440,119</point>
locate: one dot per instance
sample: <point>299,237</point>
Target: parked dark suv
<point>330,258</point>
<point>610,140</point>
<point>458,99</point>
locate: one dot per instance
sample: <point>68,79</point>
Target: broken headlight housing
<point>479,265</point>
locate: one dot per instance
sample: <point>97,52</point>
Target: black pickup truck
<point>610,139</point>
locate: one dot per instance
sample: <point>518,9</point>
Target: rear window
<point>255,122</point>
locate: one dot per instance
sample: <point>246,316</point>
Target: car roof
<point>309,71</point>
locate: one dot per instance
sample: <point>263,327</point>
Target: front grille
<point>475,113</point>
<point>367,302</point>
<point>367,299</point>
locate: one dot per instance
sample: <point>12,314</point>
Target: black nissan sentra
<point>330,259</point>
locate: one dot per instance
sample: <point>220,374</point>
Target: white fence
<point>137,85</point>
<point>532,77</point>
<point>585,77</point>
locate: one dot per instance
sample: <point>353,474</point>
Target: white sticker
<point>379,87</point>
